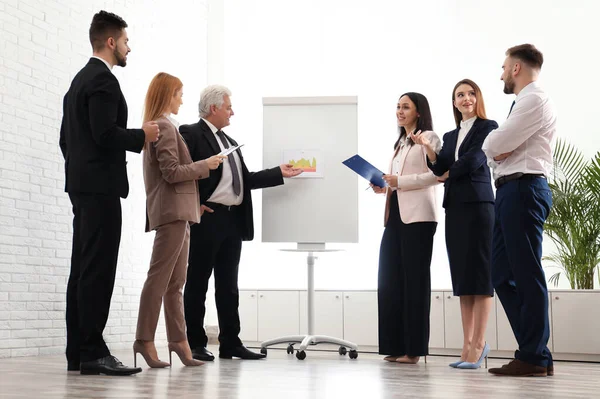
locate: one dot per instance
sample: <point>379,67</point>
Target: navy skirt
<point>469,228</point>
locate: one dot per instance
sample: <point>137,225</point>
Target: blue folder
<point>365,169</point>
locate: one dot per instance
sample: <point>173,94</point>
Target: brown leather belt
<point>518,176</point>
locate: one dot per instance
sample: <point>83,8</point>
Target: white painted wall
<point>376,50</point>
<point>379,50</point>
<point>43,44</point>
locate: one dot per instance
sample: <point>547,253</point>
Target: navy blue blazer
<point>469,178</point>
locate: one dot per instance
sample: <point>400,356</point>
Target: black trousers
<point>96,239</point>
<point>215,244</point>
<point>404,285</point>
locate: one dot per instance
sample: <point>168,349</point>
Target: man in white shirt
<point>227,220</point>
<point>520,154</point>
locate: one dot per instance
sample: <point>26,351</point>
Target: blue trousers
<point>522,207</point>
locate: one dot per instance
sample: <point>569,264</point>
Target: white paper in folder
<point>229,150</point>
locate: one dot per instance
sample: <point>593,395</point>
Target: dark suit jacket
<point>202,144</point>
<point>94,134</point>
<point>469,178</point>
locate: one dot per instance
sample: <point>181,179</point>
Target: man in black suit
<point>93,141</point>
<point>216,242</point>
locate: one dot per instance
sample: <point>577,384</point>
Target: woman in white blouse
<point>469,204</point>
<point>404,281</point>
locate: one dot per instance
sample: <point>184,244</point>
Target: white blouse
<point>465,127</point>
<point>172,120</point>
<point>396,161</point>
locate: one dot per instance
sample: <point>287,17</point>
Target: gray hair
<point>212,95</point>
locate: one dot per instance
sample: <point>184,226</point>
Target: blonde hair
<point>160,92</point>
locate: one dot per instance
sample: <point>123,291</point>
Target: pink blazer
<point>416,184</point>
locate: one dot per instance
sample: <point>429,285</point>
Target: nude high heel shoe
<point>144,350</point>
<point>182,349</point>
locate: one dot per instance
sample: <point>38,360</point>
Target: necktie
<point>511,107</point>
<point>232,163</point>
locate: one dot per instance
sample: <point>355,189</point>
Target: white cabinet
<point>360,318</point>
<point>436,335</point>
<point>249,315</point>
<point>506,337</point>
<point>453,323</point>
<point>352,315</point>
<point>579,328</point>
<point>278,314</point>
<point>328,311</point>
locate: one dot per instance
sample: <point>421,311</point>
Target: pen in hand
<point>373,187</point>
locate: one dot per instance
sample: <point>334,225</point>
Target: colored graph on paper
<point>310,161</point>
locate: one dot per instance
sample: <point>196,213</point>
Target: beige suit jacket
<point>170,179</point>
<point>416,184</point>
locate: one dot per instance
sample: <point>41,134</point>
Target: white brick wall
<point>43,44</point>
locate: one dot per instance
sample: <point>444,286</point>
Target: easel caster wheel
<point>342,351</point>
<point>301,355</point>
<point>353,354</point>
<point>263,351</point>
<point>290,349</point>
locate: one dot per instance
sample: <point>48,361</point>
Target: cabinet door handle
<point>252,296</point>
<point>337,297</point>
<point>449,297</point>
<point>347,297</point>
<point>261,295</point>
<point>557,298</point>
<point>437,297</point>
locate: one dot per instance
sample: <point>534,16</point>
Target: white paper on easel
<point>229,150</point>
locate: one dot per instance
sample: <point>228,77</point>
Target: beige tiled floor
<point>320,375</point>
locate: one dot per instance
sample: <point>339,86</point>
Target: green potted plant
<point>574,221</point>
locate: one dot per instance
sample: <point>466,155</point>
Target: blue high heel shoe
<point>484,354</point>
<point>455,364</point>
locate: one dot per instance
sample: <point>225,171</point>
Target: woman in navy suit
<point>469,205</point>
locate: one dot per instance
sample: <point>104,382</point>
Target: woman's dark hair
<point>424,120</point>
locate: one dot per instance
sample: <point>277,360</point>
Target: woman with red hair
<point>172,204</point>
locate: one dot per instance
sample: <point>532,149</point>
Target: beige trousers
<point>164,283</point>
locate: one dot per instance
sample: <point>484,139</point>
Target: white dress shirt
<point>104,61</point>
<point>224,194</point>
<point>529,131</point>
<point>465,127</point>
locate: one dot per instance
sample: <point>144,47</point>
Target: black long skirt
<point>469,228</point>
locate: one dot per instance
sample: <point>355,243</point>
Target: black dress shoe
<point>240,351</point>
<point>73,365</point>
<point>203,354</point>
<point>108,365</point>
